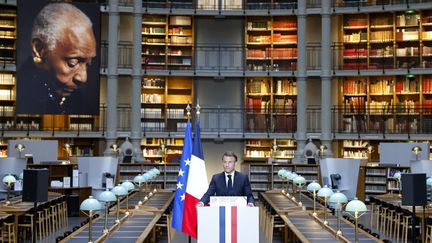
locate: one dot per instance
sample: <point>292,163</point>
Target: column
<point>136,133</point>
<point>301,81</point>
<point>112,82</point>
<point>326,77</point>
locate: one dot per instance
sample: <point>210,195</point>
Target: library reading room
<point>213,121</point>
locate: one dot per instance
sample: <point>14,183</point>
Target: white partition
<point>348,169</point>
<point>42,150</point>
<point>421,166</point>
<point>94,167</point>
<point>215,223</point>
<point>401,154</point>
<point>11,166</point>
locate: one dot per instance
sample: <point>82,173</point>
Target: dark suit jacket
<point>217,187</point>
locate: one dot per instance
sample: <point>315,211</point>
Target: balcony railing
<point>346,119</point>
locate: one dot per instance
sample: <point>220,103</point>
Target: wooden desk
<point>18,208</point>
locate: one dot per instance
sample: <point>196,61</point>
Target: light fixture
<point>138,180</point>
<point>146,177</point>
<point>291,177</point>
<point>9,181</point>
<point>416,150</point>
<point>314,187</point>
<point>119,191</point>
<point>274,148</point>
<point>20,148</point>
<point>68,148</point>
<point>162,150</point>
<point>322,150</point>
<point>115,149</point>
<point>369,149</point>
<point>129,187</point>
<point>90,205</point>
<point>429,183</point>
<point>107,197</point>
<point>397,176</point>
<point>282,173</point>
<point>356,208</point>
<point>299,181</point>
<point>339,199</point>
<point>325,193</point>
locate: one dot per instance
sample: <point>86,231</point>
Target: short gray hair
<point>54,18</point>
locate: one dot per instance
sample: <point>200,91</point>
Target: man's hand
<point>200,204</point>
<point>251,205</point>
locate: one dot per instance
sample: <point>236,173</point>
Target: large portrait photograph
<point>58,57</point>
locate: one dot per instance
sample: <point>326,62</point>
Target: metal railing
<point>345,119</point>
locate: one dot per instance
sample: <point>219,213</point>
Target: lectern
<point>228,224</point>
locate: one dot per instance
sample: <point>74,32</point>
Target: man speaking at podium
<point>229,182</point>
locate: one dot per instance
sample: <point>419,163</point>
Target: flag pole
<point>188,113</point>
<point>198,108</point>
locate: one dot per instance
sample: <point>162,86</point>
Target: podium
<point>228,224</point>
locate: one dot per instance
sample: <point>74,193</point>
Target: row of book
<point>153,30</point>
<point>407,86</point>
<point>352,86</point>
<point>151,113</point>
<point>153,82</point>
<point>286,87</point>
<point>152,98</point>
<point>384,35</point>
<point>180,31</point>
<point>81,126</point>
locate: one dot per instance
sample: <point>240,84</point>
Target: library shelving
<point>355,40</point>
<point>387,40</point>
<point>355,149</point>
<point>7,99</point>
<point>270,104</point>
<point>378,180</point>
<point>163,102</point>
<point>160,150</point>
<point>271,43</point>
<point>281,150</point>
<point>7,33</point>
<point>166,180</point>
<point>265,177</point>
<point>394,104</point>
<point>167,42</point>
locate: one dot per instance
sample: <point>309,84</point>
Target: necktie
<point>229,183</point>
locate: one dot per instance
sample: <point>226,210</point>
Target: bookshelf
<point>166,180</point>
<point>355,40</point>
<point>281,150</point>
<point>354,149</point>
<point>7,33</point>
<point>398,104</point>
<point>271,43</point>
<point>426,39</point>
<point>379,180</point>
<point>270,104</point>
<point>158,150</point>
<point>167,42</point>
<point>7,99</point>
<point>264,177</point>
<point>387,40</point>
<point>163,102</point>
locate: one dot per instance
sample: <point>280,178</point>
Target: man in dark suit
<point>229,182</point>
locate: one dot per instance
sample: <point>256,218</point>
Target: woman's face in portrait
<point>70,58</point>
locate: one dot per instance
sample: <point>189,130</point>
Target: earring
<point>37,59</point>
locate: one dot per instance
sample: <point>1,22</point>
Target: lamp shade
<point>9,179</point>
<point>416,150</point>
<point>146,177</point>
<point>128,185</point>
<point>20,147</point>
<point>90,204</point>
<point>299,180</point>
<point>429,181</point>
<point>119,191</point>
<point>292,175</point>
<point>138,179</point>
<point>107,196</point>
<point>156,170</point>
<point>397,175</point>
<point>356,206</point>
<point>21,176</point>
<point>313,186</point>
<point>282,173</point>
<point>152,174</point>
<point>325,192</point>
<point>338,197</point>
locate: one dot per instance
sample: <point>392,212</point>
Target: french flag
<point>228,224</point>
<point>191,184</point>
